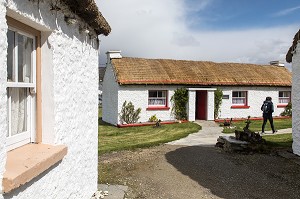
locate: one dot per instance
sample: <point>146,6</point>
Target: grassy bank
<point>279,140</point>
<point>255,125</point>
<point>112,138</point>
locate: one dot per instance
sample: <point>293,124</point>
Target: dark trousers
<point>266,118</point>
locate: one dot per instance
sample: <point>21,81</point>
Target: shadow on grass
<point>236,176</point>
<point>102,123</point>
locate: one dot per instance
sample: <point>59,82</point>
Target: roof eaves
<point>89,12</point>
<point>289,55</point>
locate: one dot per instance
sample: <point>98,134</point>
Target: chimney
<point>277,63</point>
<point>113,54</point>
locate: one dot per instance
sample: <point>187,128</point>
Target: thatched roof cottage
<point>48,79</point>
<point>150,83</point>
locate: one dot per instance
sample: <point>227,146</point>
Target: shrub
<point>153,118</point>
<point>128,115</point>
<point>218,102</point>
<point>180,99</point>
<point>287,110</point>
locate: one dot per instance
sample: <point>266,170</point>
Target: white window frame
<point>14,141</point>
<point>165,98</point>
<point>240,97</point>
<point>285,98</point>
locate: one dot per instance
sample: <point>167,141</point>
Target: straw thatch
<point>180,72</point>
<point>89,12</point>
<point>289,54</point>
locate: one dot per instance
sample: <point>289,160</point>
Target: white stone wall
<point>296,101</point>
<point>3,100</point>
<point>70,102</point>
<point>110,97</point>
<point>138,95</point>
<point>210,104</point>
<point>256,96</point>
<point>192,105</point>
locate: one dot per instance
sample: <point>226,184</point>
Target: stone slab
<point>232,140</point>
<point>113,191</point>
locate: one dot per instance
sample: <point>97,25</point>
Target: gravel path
<point>201,171</point>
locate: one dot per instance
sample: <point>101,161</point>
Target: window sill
<point>27,162</point>
<point>281,105</point>
<point>157,108</point>
<point>240,107</point>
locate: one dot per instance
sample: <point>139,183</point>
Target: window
<point>157,98</point>
<point>239,98</point>
<point>21,84</point>
<point>284,97</point>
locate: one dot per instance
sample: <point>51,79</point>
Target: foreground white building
<point>48,98</point>
<point>150,83</point>
<point>293,56</point>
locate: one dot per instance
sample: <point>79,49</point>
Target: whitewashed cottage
<point>48,98</point>
<point>293,56</point>
<point>150,83</point>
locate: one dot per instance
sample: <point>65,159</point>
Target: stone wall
<point>296,100</point>
<point>69,101</point>
<point>110,97</point>
<point>256,96</point>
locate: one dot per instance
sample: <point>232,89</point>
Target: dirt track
<point>200,172</point>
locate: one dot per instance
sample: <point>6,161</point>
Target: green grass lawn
<point>279,140</point>
<point>112,138</point>
<point>255,125</point>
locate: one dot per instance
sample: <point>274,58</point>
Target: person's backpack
<point>266,107</point>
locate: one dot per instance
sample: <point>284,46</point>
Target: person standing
<point>267,108</point>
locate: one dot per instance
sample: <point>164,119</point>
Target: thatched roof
<point>289,54</point>
<point>89,12</point>
<point>204,73</point>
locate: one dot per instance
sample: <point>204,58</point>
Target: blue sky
<point>248,31</point>
<point>244,14</point>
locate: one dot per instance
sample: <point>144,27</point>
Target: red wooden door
<point>201,105</point>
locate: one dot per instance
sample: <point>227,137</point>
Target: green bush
<point>153,118</point>
<point>128,115</point>
<point>180,99</point>
<point>218,102</point>
<point>287,110</point>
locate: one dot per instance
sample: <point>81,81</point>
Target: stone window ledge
<point>27,162</point>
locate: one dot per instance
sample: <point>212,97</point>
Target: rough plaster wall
<point>210,105</point>
<point>75,104</point>
<point>256,96</point>
<point>138,95</point>
<point>296,101</point>
<point>192,106</point>
<point>3,111</point>
<point>110,97</point>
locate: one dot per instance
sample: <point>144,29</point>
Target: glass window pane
<point>287,94</point>
<point>152,94</point>
<point>25,48</point>
<point>235,94</point>
<point>159,93</point>
<point>10,55</point>
<point>242,94</point>
<point>18,110</point>
<point>280,94</point>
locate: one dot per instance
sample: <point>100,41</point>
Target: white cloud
<point>286,11</point>
<point>158,29</point>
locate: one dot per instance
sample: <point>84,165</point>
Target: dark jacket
<point>270,104</point>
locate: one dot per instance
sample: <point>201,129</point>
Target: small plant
<point>218,102</point>
<point>153,118</point>
<point>180,99</point>
<point>128,115</point>
<point>287,110</point>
